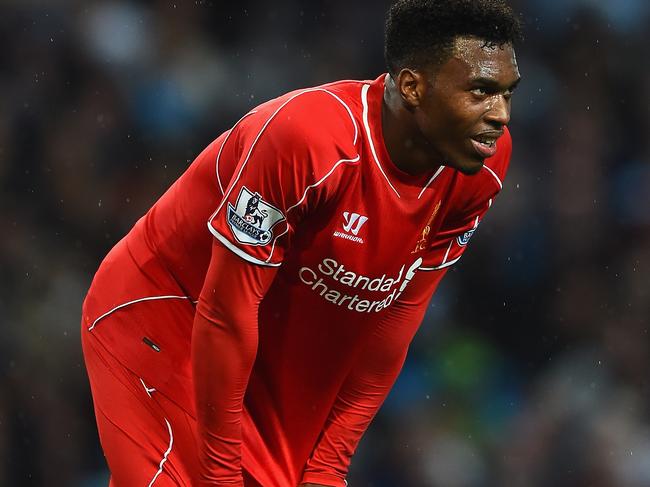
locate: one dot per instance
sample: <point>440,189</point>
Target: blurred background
<point>531,368</point>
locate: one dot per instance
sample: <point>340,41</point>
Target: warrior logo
<point>351,219</point>
<point>353,223</point>
<point>252,219</point>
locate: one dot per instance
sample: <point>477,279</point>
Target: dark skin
<point>430,117</point>
<point>450,114</point>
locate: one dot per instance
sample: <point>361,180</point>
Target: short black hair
<point>421,33</point>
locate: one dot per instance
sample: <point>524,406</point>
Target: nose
<point>499,111</point>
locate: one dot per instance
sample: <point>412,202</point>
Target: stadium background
<point>531,368</point>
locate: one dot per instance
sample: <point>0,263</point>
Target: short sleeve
<point>282,169</point>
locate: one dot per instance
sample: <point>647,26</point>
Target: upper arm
<point>233,287</point>
<point>283,157</point>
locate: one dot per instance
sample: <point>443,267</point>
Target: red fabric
<point>283,158</point>
<point>302,325</point>
<point>224,345</point>
<point>133,426</point>
<point>372,376</point>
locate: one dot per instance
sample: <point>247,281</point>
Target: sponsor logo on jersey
<point>463,239</point>
<point>352,225</point>
<point>252,219</point>
<point>351,219</point>
<point>340,286</point>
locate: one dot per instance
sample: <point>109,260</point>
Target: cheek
<point>450,119</point>
<point>466,114</point>
<point>444,117</point>
<point>457,110</point>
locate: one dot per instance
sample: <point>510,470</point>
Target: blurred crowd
<point>531,368</point>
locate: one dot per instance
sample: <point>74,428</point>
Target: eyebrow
<point>492,83</point>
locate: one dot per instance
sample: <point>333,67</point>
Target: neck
<point>407,147</point>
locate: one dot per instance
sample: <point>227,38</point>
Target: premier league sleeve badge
<point>252,219</point>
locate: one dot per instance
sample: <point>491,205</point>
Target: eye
<point>480,92</point>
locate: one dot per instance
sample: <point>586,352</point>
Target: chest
<point>366,241</point>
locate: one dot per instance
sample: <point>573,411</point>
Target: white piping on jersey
<point>441,266</point>
<point>124,305</point>
<point>224,143</point>
<point>329,173</point>
<point>304,195</point>
<point>250,151</point>
<point>149,390</point>
<point>444,262</point>
<point>435,175</point>
<point>237,250</point>
<point>364,101</point>
<point>164,459</point>
<point>495,176</point>
<point>354,122</point>
<point>444,259</point>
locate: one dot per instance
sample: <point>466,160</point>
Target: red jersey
<point>304,184</point>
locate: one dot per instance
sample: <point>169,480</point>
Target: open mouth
<point>485,144</point>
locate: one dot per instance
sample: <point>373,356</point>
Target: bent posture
<point>248,328</point>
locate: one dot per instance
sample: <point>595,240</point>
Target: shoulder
<point>309,119</point>
<point>299,138</point>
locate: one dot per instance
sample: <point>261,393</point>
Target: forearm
<point>221,362</point>
<point>360,398</point>
<point>224,346</point>
<point>375,369</point>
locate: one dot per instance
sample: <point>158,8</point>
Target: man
<point>248,328</point>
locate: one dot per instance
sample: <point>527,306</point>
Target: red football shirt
<point>304,184</point>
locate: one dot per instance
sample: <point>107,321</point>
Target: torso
<point>369,229</point>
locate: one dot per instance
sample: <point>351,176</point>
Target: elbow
<point>234,330</point>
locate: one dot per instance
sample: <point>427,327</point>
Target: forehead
<point>472,58</point>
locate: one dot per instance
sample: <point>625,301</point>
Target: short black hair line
<point>421,33</point>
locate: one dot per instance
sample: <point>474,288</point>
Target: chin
<point>468,168</point>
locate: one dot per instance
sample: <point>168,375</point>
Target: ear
<point>411,86</point>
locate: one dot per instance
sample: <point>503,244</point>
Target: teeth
<point>488,142</point>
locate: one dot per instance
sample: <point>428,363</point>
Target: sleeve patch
<point>463,239</point>
<point>252,219</point>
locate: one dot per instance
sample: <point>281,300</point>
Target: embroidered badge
<point>424,237</point>
<point>464,238</point>
<point>252,219</point>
